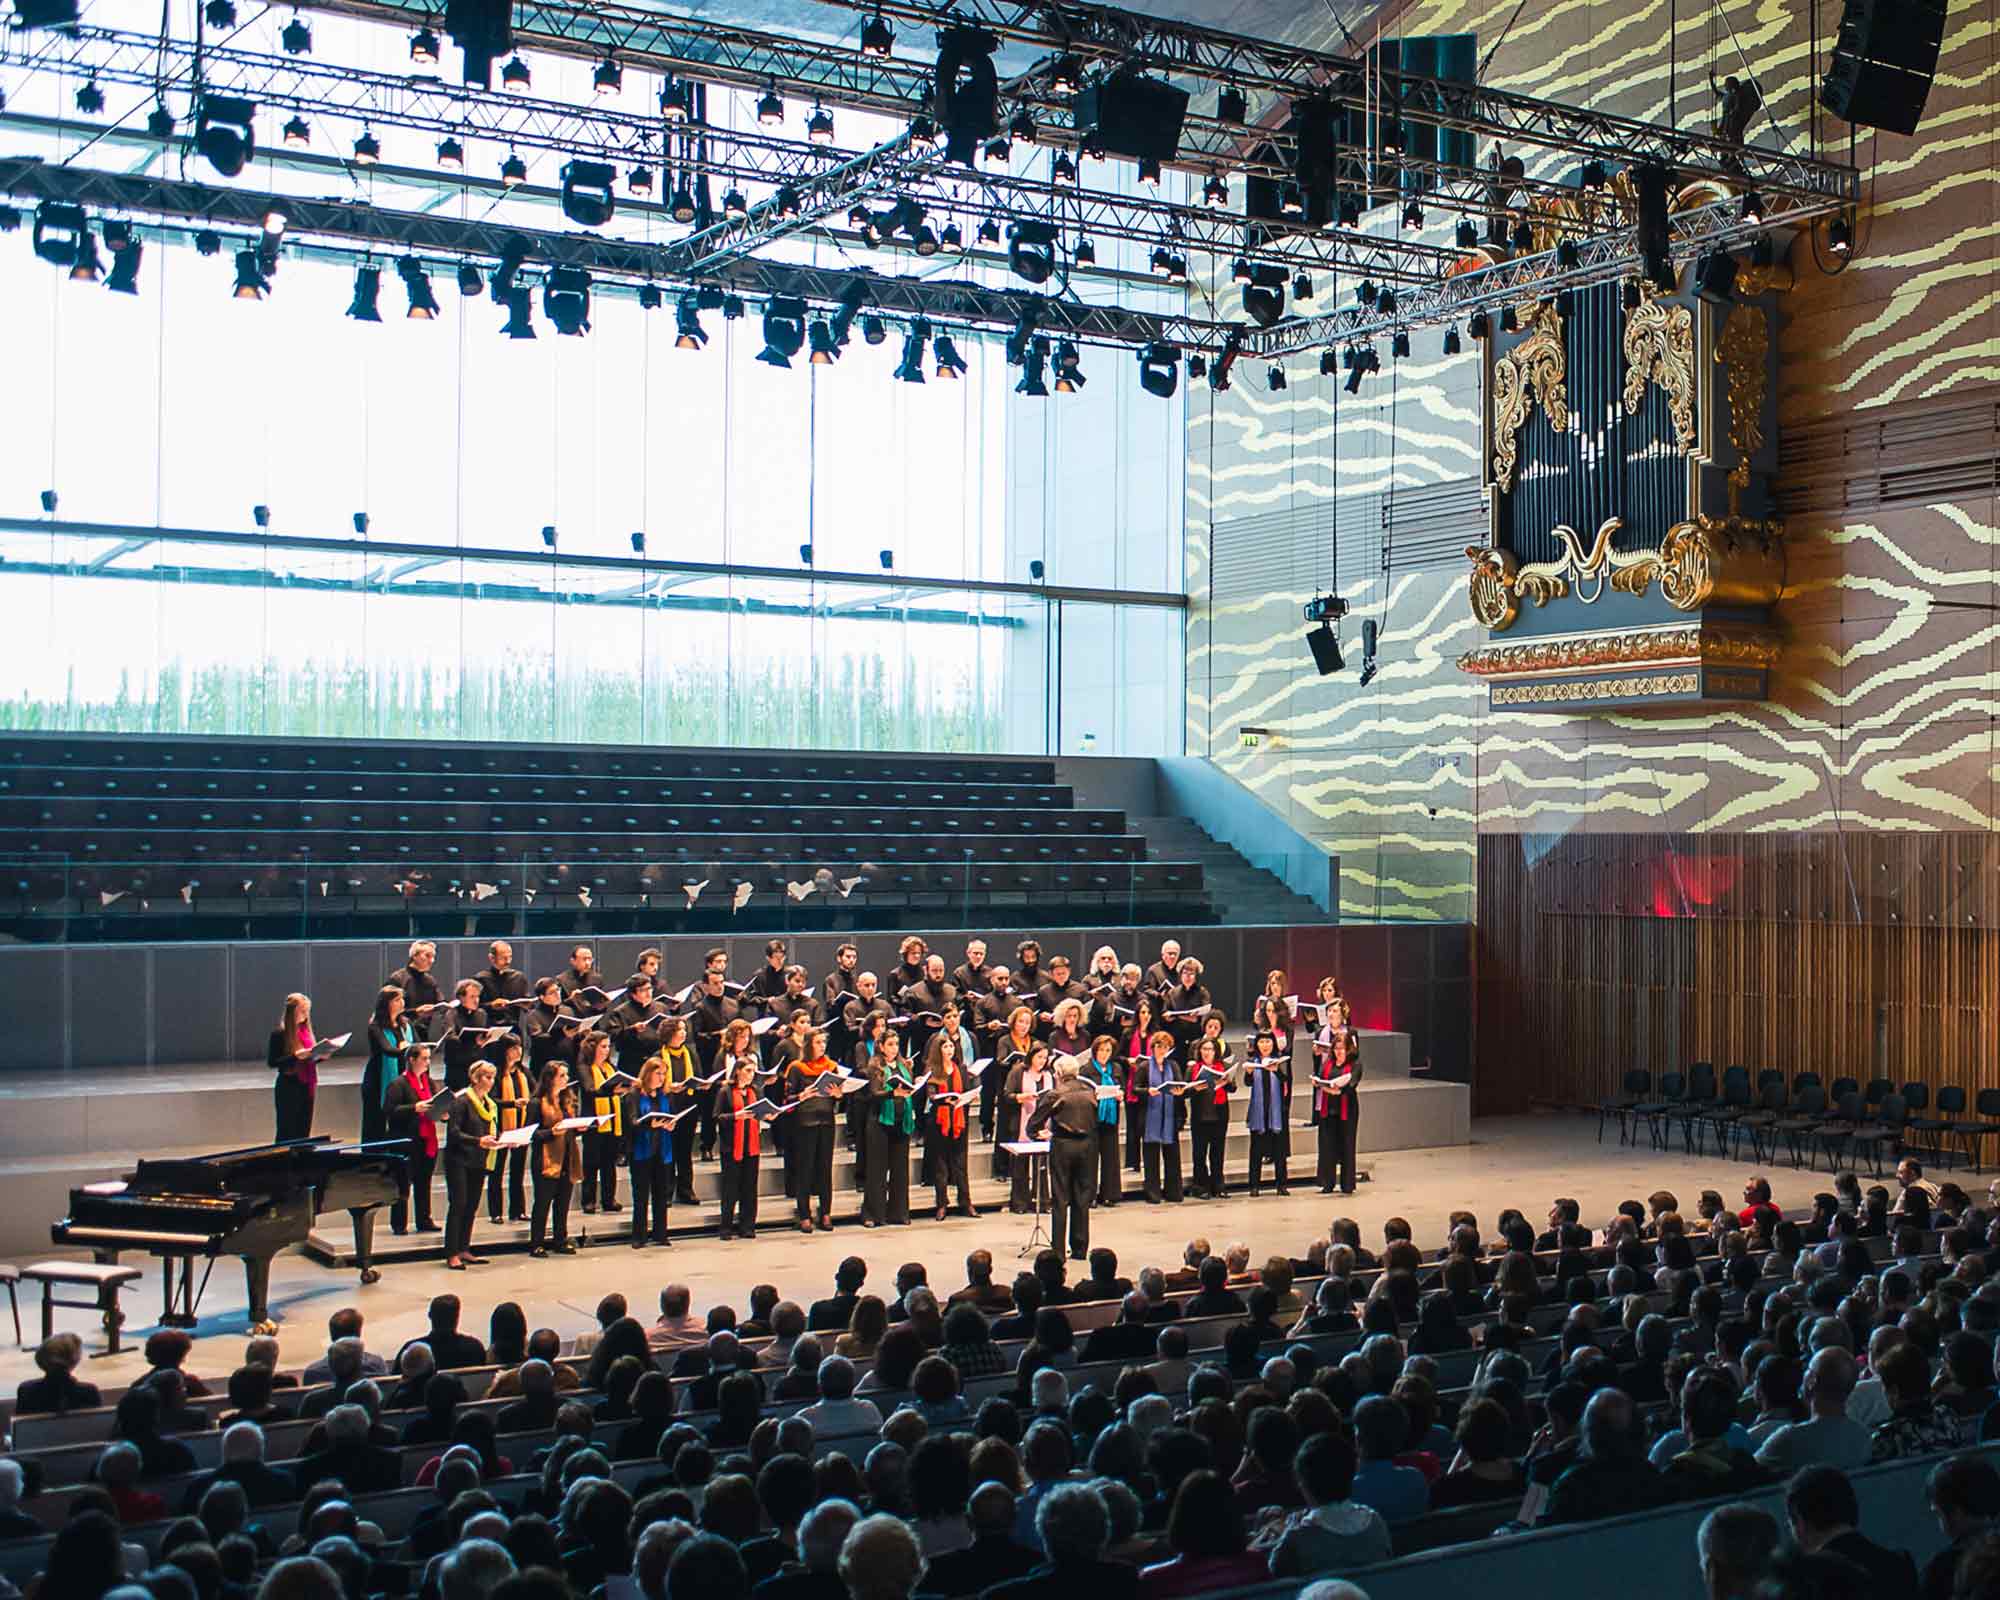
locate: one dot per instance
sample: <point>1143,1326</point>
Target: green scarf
<point>898,1114</point>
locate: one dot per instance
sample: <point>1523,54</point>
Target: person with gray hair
<point>654,1553</point>
<point>1050,1392</point>
<point>344,1368</point>
<point>880,1560</point>
<point>1735,1544</point>
<point>837,1411</point>
<point>1067,1118</point>
<point>1829,1437</point>
<point>1148,1414</point>
<point>1074,1527</point>
<point>1611,1476</point>
<point>243,1463</point>
<point>350,1564</point>
<point>474,1569</point>
<point>301,1578</point>
<point>1333,1589</point>
<point>362,1467</point>
<point>887,1473</point>
<point>14,1522</point>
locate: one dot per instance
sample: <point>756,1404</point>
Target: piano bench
<point>107,1279</point>
<point>10,1275</point>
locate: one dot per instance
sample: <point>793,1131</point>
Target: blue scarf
<point>1107,1109</point>
<point>1159,1125</point>
<point>646,1140</point>
<point>1267,1103</point>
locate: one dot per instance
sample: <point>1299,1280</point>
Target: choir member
<point>945,1123</point>
<point>890,1122</point>
<point>972,976</point>
<point>797,996</point>
<point>1028,973</point>
<point>1273,1013</point>
<point>550,1029</point>
<point>1112,1011</point>
<point>636,1024</point>
<point>1208,1118</point>
<point>769,983</point>
<point>1337,1110</point>
<point>924,1002</point>
<point>1068,1035</point>
<point>909,969</point>
<point>1027,1080</point>
<point>504,988</point>
<point>1010,1051</point>
<point>675,1058</point>
<point>794,1044</point>
<point>1185,1004</point>
<point>816,1096</point>
<point>835,990</point>
<point>514,1092</point>
<point>651,1149</point>
<point>1270,1126</point>
<point>1101,981</point>
<point>464,1032</point>
<point>1107,1068</point>
<point>990,1016</point>
<point>601,1144</point>
<point>713,1009</point>
<point>649,963</point>
<point>406,1111</point>
<point>951,1027</point>
<point>740,1134</point>
<point>558,1160</point>
<point>470,1153</point>
<point>290,1056</point>
<point>390,1033</point>
<point>1320,1010</point>
<point>1057,987</point>
<point>583,988</point>
<point>1067,1118</point>
<point>1162,974</point>
<point>1136,1035</point>
<point>1159,1078</point>
<point>875,1027</point>
<point>420,986</point>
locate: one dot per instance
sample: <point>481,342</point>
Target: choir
<point>567,1079</point>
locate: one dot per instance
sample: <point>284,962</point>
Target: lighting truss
<point>363,227</point>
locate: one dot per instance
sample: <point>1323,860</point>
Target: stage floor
<point>1518,1161</point>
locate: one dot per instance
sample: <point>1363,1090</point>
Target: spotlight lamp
<point>516,76</point>
<point>1232,106</point>
<point>1522,237</point>
<point>1064,170</point>
<point>367,149</point>
<point>88,266</point>
<point>873,330</point>
<point>1752,209</point>
<point>1069,368</point>
<point>673,99</point>
<point>469,280</point>
<point>1365,292</point>
<point>1034,369</point>
<point>1413,216</point>
<point>90,98</point>
<point>1399,344</point>
<point>1066,76</point>
<point>887,558</point>
<point>1509,322</point>
<point>1239,270</point>
<point>1452,344</point>
<point>160,122</point>
<point>784,330</point>
<point>1467,236</point>
<point>950,365</point>
<point>877,38</point>
<point>225,132</point>
<point>952,238</point>
<point>1000,148</point>
<point>1385,303</point>
<point>650,298</point>
<point>688,331</point>
<point>819,126</point>
<point>261,515</point>
<point>548,536</point>
<point>771,109</point>
<point>251,284</point>
<point>734,206</point>
<point>125,252</point>
<point>520,324</point>
<point>1215,190</point>
<point>1329,362</point>
<point>639,181</point>
<point>275,221</point>
<point>219,14</point>
<point>638,544</point>
<point>1086,253</point>
<point>424,47</point>
<point>1567,255</point>
<point>207,242</point>
<point>911,368</point>
<point>297,37</point>
<point>608,79</point>
<point>824,351</point>
<point>788,202</point>
<point>1478,325</point>
<point>1590,178</point>
<point>1302,286</point>
<point>513,171</point>
<point>588,197</point>
<point>1292,200</point>
<point>365,306</point>
<point>805,555</point>
<point>682,205</point>
<point>1031,250</point>
<point>1197,366</point>
<point>1037,570</point>
<point>988,231</point>
<point>1022,127</point>
<point>1349,212</point>
<point>566,300</point>
<point>297,134</point>
<point>1632,294</point>
<point>923,133</point>
<point>417,286</point>
<point>1160,369</point>
<point>1149,172</point>
<point>1274,378</point>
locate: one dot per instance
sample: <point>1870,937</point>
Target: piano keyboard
<point>132,1238</point>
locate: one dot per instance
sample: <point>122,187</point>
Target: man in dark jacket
<point>837,1310</point>
<point>242,1463</point>
<point>1612,1476</point>
<point>1131,1338</point>
<point>992,1558</point>
<point>1074,1528</point>
<point>1823,1510</point>
<point>450,1348</point>
<point>361,1467</point>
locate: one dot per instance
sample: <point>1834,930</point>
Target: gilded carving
<point>1491,585</point>
<point>1722,559</point>
<point>1534,370</point>
<point>1659,348</point>
<point>1740,351</point>
<point>1570,691</point>
<point>1706,560</point>
<point>1731,647</point>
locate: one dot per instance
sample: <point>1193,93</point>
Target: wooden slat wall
<point>1778,951</point>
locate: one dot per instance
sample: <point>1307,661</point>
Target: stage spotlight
<point>124,277</point>
<point>1413,216</point>
<point>999,148</point>
<point>688,331</point>
<point>1159,369</point>
<point>1224,363</point>
<point>1509,321</point>
<point>608,79</point>
<point>988,231</point>
<point>1064,170</point>
<point>1522,237</point>
<point>587,192</point>
<point>1034,369</point>
<point>207,242</point>
<point>877,38</point>
<point>1349,211</point>
<point>1478,325</point>
<point>297,37</point>
<point>251,284</point>
<point>911,368</point>
<point>87,268</point>
<point>1452,343</point>
<point>1031,250</point>
<point>513,171</point>
<point>1069,368</point>
<point>44,13</point>
<point>1632,295</point>
<point>1399,344</point>
<point>468,280</point>
<point>788,202</point>
<point>1590,179</point>
<point>1752,209</point>
<point>1715,277</point>
<point>225,132</point>
<point>1840,237</point>
<point>952,238</point>
<point>424,48</point>
<point>59,232</point>
<point>90,98</point>
<point>1274,378</point>
<point>361,523</point>
<point>734,206</point>
<point>1066,76</point>
<point>1149,172</point>
<point>1085,254</point>
<point>451,155</point>
<point>1215,190</point>
<point>1291,201</point>
<point>1037,571</point>
<point>417,285</point>
<point>1468,235</point>
<point>1162,261</point>
<point>873,330</point>
<point>639,182</point>
<point>367,292</point>
<point>1232,106</point>
<point>1568,257</point>
<point>1022,127</point>
<point>819,126</point>
<point>682,205</point>
<point>297,134</point>
<point>673,99</point>
<point>520,304</point>
<point>367,149</point>
<point>852,299</point>
<point>516,76</point>
<point>1302,286</point>
<point>887,558</point>
<point>160,122</point>
<point>1355,373</point>
<point>548,536</point>
<point>1197,366</point>
<point>220,14</point>
<point>1264,294</point>
<point>806,554</point>
<point>784,330</point>
<point>261,515</point>
<point>566,300</point>
<point>1369,665</point>
<point>650,298</point>
<point>1366,293</point>
<point>771,109</point>
<point>1239,270</point>
<point>824,351</point>
<point>923,133</point>
<point>947,362</point>
<point>1329,362</point>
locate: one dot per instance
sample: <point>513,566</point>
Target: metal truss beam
<point>942,301</point>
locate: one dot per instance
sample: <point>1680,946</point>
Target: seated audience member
<point>1825,1515</point>
<point>837,1411</point>
<point>449,1348</point>
<point>1828,1436</point>
<point>1735,1545</point>
<point>1918,1422</point>
<point>833,1314</point>
<point>346,1323</point>
<point>1334,1532</point>
<point>1206,1537</point>
<point>880,1560</point>
<point>349,1458</point>
<point>815,1573</point>
<point>137,1418</point>
<point>1611,1477</point>
<point>14,1522</point>
<point>993,1556</point>
<point>1964,1496</point>
<point>1380,1430</point>
<point>1073,1528</point>
<point>1131,1338</point>
<point>1489,1471</point>
<point>1215,1298</point>
<point>58,1389</point>
<point>980,1291</point>
<point>1710,1464</point>
<point>243,1463</point>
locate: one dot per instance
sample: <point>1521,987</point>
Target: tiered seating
<point>134,837</point>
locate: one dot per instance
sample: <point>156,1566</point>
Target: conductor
<point>1069,1113</point>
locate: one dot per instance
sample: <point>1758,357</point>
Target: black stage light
<point>639,181</point>
<point>1022,127</point>
<point>90,98</point>
<point>1215,190</point>
<point>297,134</point>
<point>877,38</point>
<point>124,277</point>
<point>1302,286</point>
<point>1452,343</point>
<point>1468,235</point>
<point>587,192</point>
<point>44,13</point>
<point>650,298</point>
<point>1069,368</point>
<point>1264,294</point>
<point>424,48</point>
<point>566,300</point>
<point>208,242</point>
<point>1368,663</point>
<point>251,284</point>
<point>1413,216</point>
<point>1197,366</point>
<point>88,267</point>
<point>682,205</point>
<point>1329,362</point>
<point>688,331</point>
<point>549,535</point>
<point>1034,369</point>
<point>1232,106</point>
<point>947,362</point>
<point>824,351</point>
<point>1224,363</point>
<point>451,155</point>
<point>1325,646</point>
<point>887,558</point>
<point>1064,168</point>
<point>1590,177</point>
<point>225,132</point>
<point>468,280</point>
<point>1159,369</point>
<point>261,515</point>
<point>297,37</point>
<point>1037,570</point>
<point>734,206</point>
<point>873,330</point>
<point>1085,254</point>
<point>771,109</point>
<point>520,323</point>
<point>365,307</point>
<point>1031,250</point>
<point>220,14</point>
<point>1479,325</point>
<point>819,126</point>
<point>367,149</point>
<point>59,231</point>
<point>1274,378</point>
<point>1840,236</point>
<point>513,171</point>
<point>784,330</point>
<point>1715,277</point>
<point>911,368</point>
<point>160,122</point>
<point>417,286</point>
<point>608,79</point>
<point>1568,257</point>
<point>1752,209</point>
<point>806,554</point>
<point>1632,294</point>
<point>1510,321</point>
<point>515,75</point>
<point>1399,344</point>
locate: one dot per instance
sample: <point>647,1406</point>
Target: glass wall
<point>181,408</point>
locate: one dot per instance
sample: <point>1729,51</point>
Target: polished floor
<point>1520,1161</point>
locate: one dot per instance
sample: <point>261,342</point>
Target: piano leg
<point>177,1299</point>
<point>364,1243</point>
<point>257,1279</point>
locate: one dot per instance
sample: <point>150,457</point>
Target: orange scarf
<point>950,1118</point>
<point>749,1130</point>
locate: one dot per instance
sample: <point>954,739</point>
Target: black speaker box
<point>1884,57</point>
<point>1326,650</point>
<point>1133,115</point>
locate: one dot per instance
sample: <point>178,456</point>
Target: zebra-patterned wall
<point>1882,713</point>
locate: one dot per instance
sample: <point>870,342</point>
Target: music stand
<point>1027,1150</point>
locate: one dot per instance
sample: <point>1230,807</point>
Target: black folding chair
<point>1638,1082</point>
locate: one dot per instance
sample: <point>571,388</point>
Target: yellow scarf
<point>490,1115</point>
<point>679,1062</point>
<point>607,1108</point>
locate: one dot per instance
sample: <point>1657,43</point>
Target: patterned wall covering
<point>1883,707</point>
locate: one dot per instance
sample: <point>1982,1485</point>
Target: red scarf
<point>749,1130</point>
<point>427,1133</point>
<point>950,1118</point>
<point>308,1069</point>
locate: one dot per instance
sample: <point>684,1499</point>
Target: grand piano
<point>249,1203</point>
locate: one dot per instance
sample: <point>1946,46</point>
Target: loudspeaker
<point>1133,115</point>
<point>1325,648</point>
<point>1884,57</point>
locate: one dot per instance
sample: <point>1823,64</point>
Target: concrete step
<point>1238,890</point>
